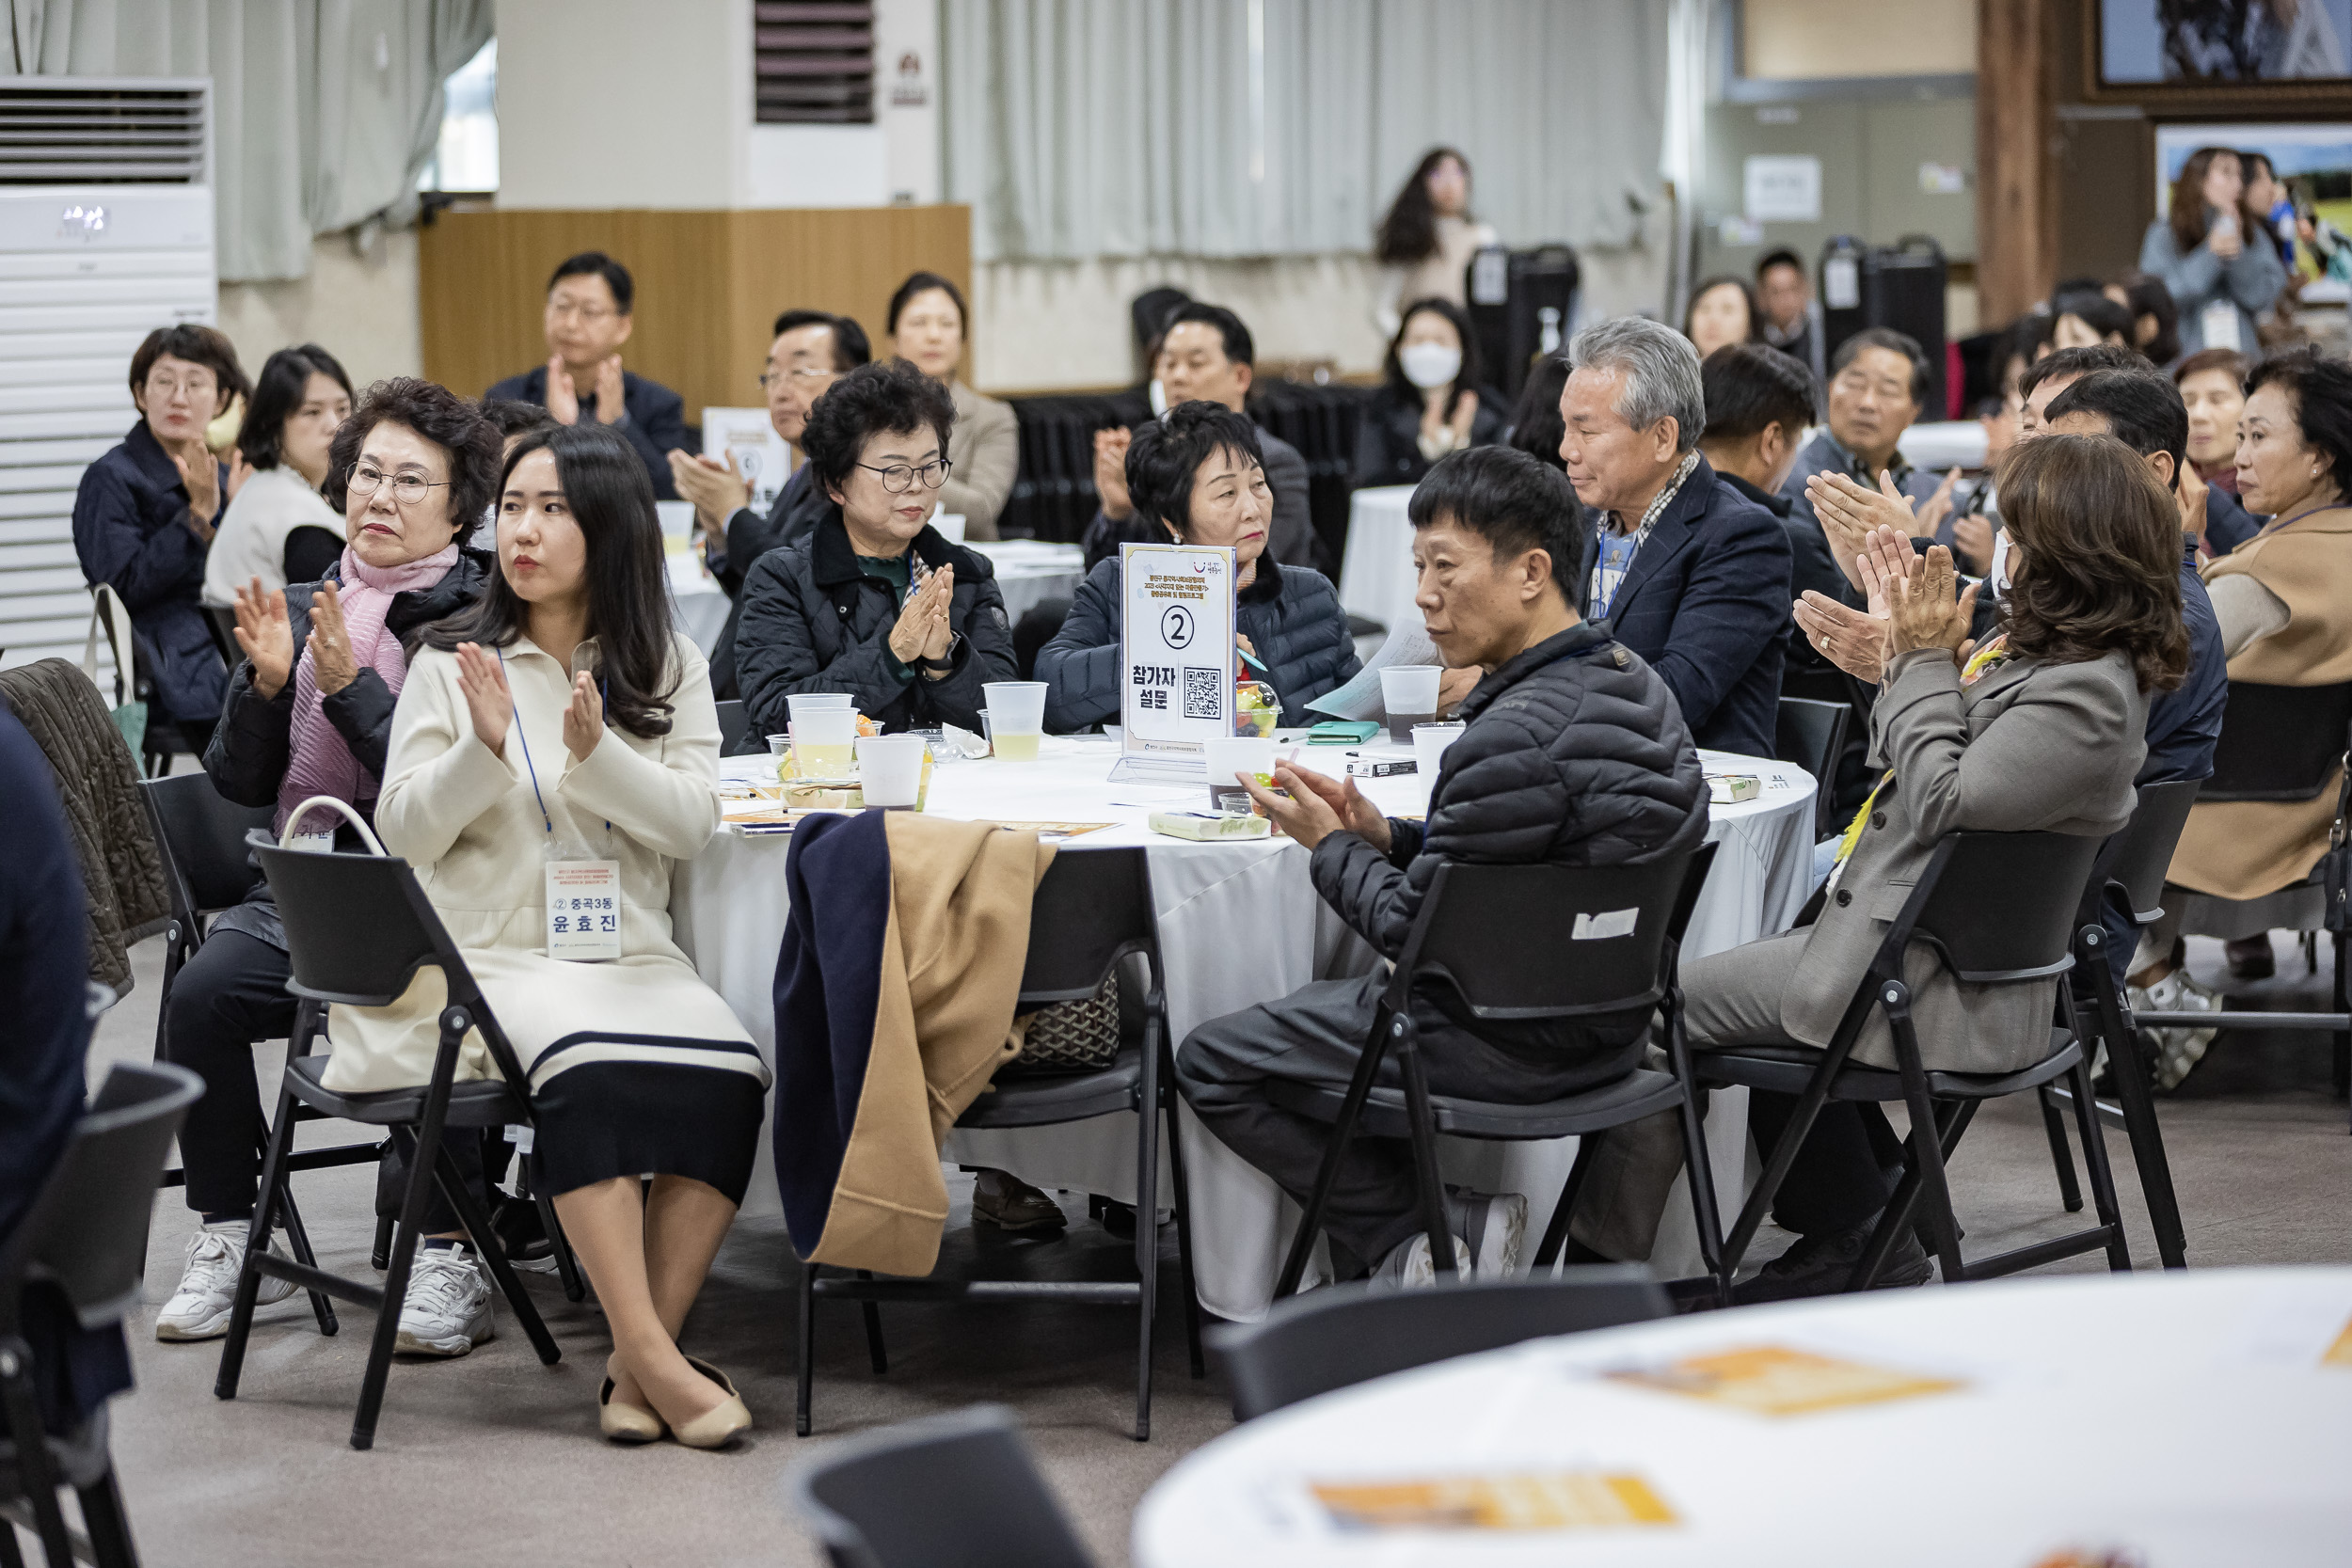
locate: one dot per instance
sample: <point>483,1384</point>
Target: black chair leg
<point>1425,1177</point>
<point>1902,1209</point>
<point>10,1556</point>
<point>1927,1141</point>
<point>1384,1028</point>
<point>1147,1234</point>
<point>876,1356</point>
<point>2061,1157</point>
<point>808,1349</point>
<point>109,1528</point>
<point>1703,1211</point>
<point>422,1159</point>
<point>2102,1176</point>
<point>566,1265</point>
<point>298,1238</point>
<point>2342,1003</point>
<point>20,1419</point>
<point>1184,1210</point>
<point>2129,1070</point>
<point>273,1189</point>
<point>486,1242</point>
<point>1556,1230</point>
<point>380,1255</point>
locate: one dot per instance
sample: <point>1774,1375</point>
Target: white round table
<point>700,605</point>
<point>1028,570</point>
<point>1376,572</point>
<point>1240,923</point>
<point>2176,1420</point>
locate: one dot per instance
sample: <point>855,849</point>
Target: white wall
<point>359,305</point>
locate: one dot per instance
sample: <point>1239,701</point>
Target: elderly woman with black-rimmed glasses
<point>874,601</point>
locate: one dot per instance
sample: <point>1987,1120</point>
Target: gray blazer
<point>2032,746</point>
<point>985,448</point>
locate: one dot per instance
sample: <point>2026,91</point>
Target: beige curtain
<point>1226,128</point>
<point>324,110</point>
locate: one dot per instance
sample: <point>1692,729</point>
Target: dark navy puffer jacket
<point>1576,754</point>
<point>1291,615</point>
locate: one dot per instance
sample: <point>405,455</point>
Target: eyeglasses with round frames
<point>407,489</point>
<point>899,477</point>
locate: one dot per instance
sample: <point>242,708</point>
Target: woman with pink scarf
<point>309,713</point>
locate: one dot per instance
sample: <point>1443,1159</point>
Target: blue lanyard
<point>604,692</point>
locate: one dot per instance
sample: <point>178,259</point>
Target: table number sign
<point>1176,657</point>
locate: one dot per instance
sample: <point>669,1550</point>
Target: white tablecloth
<point>1377,573</point>
<point>1028,570</point>
<point>2187,1420</point>
<point>701,604</point>
<point>1239,923</point>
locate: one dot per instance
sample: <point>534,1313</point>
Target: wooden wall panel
<point>709,284</point>
<point>2017,228</point>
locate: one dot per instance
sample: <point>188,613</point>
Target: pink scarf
<point>322,764</point>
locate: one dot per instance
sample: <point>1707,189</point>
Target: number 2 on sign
<point>583,910</point>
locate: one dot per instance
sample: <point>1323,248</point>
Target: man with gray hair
<point>1689,573</point>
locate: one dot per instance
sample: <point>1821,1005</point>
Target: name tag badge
<point>2219,323</point>
<point>583,910</point>
<point>314,844</point>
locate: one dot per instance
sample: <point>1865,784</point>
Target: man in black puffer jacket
<point>1576,754</point>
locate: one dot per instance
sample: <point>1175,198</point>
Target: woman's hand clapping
<point>332,663</point>
<point>483,678</point>
<point>583,720</point>
<point>265,636</point>
<point>1922,611</point>
<point>922,630</point>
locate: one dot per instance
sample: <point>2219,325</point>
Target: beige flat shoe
<point>625,1423</point>
<point>723,1423</point>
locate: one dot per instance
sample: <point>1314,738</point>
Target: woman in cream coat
<point>560,720</point>
<point>927,327</point>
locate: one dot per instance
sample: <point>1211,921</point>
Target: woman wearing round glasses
<point>309,712</point>
<point>874,601</point>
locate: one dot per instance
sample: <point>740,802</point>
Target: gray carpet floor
<point>495,1458</point>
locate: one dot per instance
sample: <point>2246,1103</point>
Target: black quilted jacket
<point>1576,754</point>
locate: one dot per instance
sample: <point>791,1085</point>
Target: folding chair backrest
<point>734,722</point>
<point>1695,872</point>
<point>357,927</point>
<point>204,840</point>
<point>87,1230</point>
<point>956,1491</point>
<point>1337,1337</point>
<point>2002,905</point>
<point>1093,907</point>
<point>1812,735</point>
<point>2136,858</point>
<point>1519,941</point>
<point>2278,742</point>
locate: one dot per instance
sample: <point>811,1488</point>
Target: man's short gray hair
<point>1660,369</point>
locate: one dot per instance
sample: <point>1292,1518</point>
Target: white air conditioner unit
<point>105,234</point>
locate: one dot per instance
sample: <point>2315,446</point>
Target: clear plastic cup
<point>1409,691</point>
<point>1016,718</point>
<point>1429,744</point>
<point>779,744</point>
<point>1224,756</point>
<point>890,768</point>
<point>823,742</point>
<point>812,701</point>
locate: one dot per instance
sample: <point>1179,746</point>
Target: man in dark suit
<point>812,349</point>
<point>1878,386</point>
<point>1689,573</point>
<point>1205,354</point>
<point>588,319</point>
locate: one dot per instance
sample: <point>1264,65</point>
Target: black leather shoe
<point>2251,959</point>
<point>1009,1203</point>
<point>1822,1265</point>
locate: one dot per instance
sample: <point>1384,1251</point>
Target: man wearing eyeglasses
<point>812,349</point>
<point>590,300</point>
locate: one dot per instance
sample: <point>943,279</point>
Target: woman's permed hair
<point>449,421</point>
<point>611,501</point>
<point>2321,390</point>
<point>278,392</point>
<point>2101,546</point>
<point>198,346</point>
<point>1167,452</point>
<point>890,398</point>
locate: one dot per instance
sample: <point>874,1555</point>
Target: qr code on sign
<point>1204,692</point>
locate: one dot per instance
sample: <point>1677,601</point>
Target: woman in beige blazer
<point>560,730</point>
<point>2039,731</point>
<point>927,327</point>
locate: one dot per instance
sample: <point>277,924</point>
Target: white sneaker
<point>1409,1266</point>
<point>2177,1049</point>
<point>1495,1225</point>
<point>199,1309</point>
<point>447,1309</point>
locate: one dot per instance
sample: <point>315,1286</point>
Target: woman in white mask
<point>1432,401</point>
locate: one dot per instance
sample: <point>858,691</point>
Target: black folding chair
<point>2130,870</point>
<point>207,868</point>
<point>85,1235</point>
<point>956,1491</point>
<point>734,723</point>
<point>358,928</point>
<point>1335,1338</point>
<point>1505,938</point>
<point>1993,908</point>
<point>1812,735</point>
<point>1092,911</point>
<point>2285,743</point>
